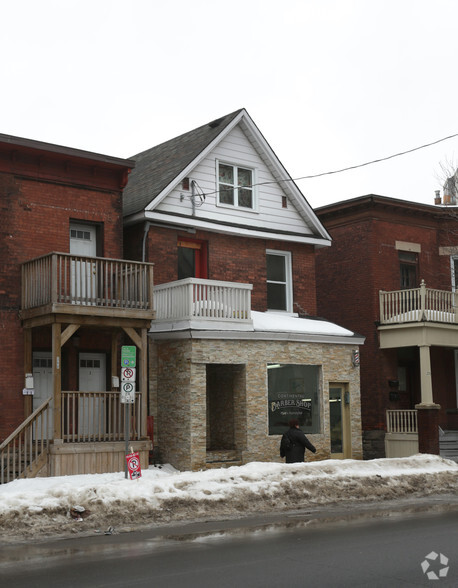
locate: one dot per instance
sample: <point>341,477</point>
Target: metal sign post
<point>128,362</point>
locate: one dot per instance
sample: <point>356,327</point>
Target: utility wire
<point>338,171</point>
<point>344,169</point>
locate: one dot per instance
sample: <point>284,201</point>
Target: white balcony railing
<point>418,304</point>
<point>401,421</point>
<point>209,300</point>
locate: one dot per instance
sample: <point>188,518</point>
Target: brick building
<point>67,303</point>
<point>236,348</point>
<point>392,267</point>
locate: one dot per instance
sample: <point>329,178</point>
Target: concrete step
<point>448,444</point>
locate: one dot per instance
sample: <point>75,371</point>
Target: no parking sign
<point>133,465</point>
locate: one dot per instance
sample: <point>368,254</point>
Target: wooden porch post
<point>114,357</point>
<point>56,376</point>
<point>28,369</point>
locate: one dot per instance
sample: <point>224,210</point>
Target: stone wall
<point>178,388</point>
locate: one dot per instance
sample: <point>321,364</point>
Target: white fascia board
<point>197,223</point>
<point>188,169</point>
<point>257,336</point>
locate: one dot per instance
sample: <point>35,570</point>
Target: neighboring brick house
<point>67,304</point>
<point>236,348</point>
<point>392,268</point>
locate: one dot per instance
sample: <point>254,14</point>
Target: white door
<point>84,272</point>
<point>92,378</point>
<point>43,383</point>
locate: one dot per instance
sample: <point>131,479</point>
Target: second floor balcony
<point>69,284</point>
<point>202,304</point>
<point>418,305</point>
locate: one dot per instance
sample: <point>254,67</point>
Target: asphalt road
<point>373,547</point>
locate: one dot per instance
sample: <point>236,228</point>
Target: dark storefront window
<point>293,393</point>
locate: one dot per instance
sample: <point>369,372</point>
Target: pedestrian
<point>294,442</point>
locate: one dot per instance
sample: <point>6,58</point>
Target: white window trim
<point>254,187</point>
<point>453,258</point>
<point>289,280</point>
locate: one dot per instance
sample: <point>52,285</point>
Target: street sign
<point>133,465</point>
<point>127,393</point>
<point>128,356</point>
<point>128,374</point>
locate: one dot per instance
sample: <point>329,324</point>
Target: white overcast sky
<point>330,83</point>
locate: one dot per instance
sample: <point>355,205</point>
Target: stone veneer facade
<point>178,395</point>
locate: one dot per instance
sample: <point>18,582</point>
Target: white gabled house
<point>236,349</point>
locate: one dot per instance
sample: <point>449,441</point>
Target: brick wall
<point>363,260</point>
<point>34,221</point>
<point>231,259</point>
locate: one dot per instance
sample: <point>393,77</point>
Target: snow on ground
<point>42,507</point>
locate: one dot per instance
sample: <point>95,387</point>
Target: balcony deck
<point>61,283</point>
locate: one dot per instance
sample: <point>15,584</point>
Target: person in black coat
<point>295,450</point>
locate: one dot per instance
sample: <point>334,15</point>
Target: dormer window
<point>235,186</point>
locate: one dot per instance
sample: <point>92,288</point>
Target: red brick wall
<point>35,217</point>
<point>363,260</point>
<point>231,259</point>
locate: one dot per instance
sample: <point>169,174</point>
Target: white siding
<point>236,149</point>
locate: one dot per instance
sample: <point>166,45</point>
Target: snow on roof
<point>277,322</point>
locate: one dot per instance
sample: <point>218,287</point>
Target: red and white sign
<point>128,374</point>
<point>133,465</point>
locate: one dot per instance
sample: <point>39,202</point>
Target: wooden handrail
<point>26,445</point>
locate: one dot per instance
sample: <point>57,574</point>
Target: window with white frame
<point>279,281</point>
<point>454,268</point>
<point>235,186</point>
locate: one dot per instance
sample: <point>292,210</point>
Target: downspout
<point>147,226</point>
<point>146,351</point>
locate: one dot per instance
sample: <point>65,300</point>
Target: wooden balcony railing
<point>194,298</point>
<point>418,304</point>
<point>62,278</point>
<point>99,416</point>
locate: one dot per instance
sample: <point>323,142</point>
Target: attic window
<point>284,202</point>
<point>235,186</point>
<point>185,184</point>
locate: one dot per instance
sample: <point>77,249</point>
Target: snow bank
<point>42,505</point>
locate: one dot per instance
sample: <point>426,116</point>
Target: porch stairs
<point>25,452</point>
<point>448,444</point>
<point>223,458</point>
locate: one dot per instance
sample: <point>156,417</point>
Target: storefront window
<point>293,394</point>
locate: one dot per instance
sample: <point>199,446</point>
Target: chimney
<point>437,199</point>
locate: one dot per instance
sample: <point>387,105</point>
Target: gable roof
<point>159,169</point>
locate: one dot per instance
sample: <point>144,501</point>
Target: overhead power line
<point>343,169</point>
<point>338,171</point>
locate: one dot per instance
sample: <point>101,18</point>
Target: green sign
<point>128,355</point>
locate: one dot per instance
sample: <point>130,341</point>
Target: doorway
<point>43,387</point>
<point>339,421</point>
<point>192,259</point>
<point>83,244</point>
<point>225,407</point>
<point>92,379</point>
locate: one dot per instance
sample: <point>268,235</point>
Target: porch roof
<point>271,326</point>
